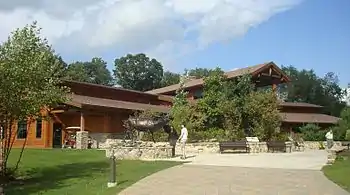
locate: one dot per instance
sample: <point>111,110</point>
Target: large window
<point>22,130</point>
<point>38,128</point>
<point>2,132</point>
<point>198,94</point>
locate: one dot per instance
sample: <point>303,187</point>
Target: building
<point>100,110</point>
<point>97,109</point>
<point>293,114</point>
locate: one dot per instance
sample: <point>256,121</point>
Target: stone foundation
<point>150,150</point>
<point>315,145</point>
<point>82,139</point>
<point>135,153</point>
<point>105,140</point>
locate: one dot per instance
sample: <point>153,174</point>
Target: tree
<point>138,72</point>
<point>170,78</point>
<point>94,71</point>
<point>235,106</point>
<point>30,82</point>
<point>343,124</point>
<point>306,86</point>
<point>199,72</point>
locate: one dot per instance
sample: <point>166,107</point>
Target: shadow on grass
<point>43,179</point>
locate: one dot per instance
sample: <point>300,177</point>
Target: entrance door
<point>57,135</point>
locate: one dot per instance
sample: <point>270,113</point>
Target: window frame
<point>38,136</point>
<point>20,124</point>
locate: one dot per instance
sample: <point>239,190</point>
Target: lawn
<point>65,172</point>
<point>339,172</point>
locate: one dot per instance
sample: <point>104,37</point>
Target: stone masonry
<point>82,138</point>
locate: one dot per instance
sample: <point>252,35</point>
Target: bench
<point>276,146</point>
<point>232,145</point>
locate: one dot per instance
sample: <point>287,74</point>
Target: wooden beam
<point>82,121</point>
<point>57,111</point>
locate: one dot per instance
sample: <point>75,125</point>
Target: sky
<point>310,34</point>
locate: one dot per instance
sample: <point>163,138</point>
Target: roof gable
<point>253,70</point>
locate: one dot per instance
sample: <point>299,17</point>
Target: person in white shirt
<point>182,139</point>
<point>329,138</point>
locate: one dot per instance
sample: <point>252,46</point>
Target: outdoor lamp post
<point>112,177</point>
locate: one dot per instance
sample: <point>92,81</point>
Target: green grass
<point>65,172</point>
<point>339,172</point>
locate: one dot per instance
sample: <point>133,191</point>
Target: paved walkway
<point>241,174</point>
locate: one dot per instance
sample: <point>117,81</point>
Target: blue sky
<point>311,34</point>
<point>314,35</point>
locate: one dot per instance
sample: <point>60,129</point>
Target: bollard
<point>112,177</point>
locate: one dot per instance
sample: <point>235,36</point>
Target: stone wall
<point>315,145</point>
<point>105,140</point>
<point>134,153</point>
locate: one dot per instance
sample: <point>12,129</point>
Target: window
<point>2,132</point>
<point>22,130</point>
<point>198,94</point>
<point>38,128</point>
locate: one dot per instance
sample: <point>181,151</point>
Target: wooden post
<point>82,121</point>
<point>274,87</point>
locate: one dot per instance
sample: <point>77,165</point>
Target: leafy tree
<point>312,132</point>
<point>236,107</point>
<point>182,112</point>
<point>170,78</point>
<point>199,72</point>
<point>138,72</point>
<point>306,86</point>
<point>213,96</point>
<point>30,81</point>
<point>94,71</point>
<point>343,125</point>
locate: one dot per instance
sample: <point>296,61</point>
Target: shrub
<point>347,135</point>
<point>312,132</point>
<point>207,135</point>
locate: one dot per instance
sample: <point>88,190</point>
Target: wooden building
<point>100,109</point>
<point>97,109</point>
<point>293,114</point>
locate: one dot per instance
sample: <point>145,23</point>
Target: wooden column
<point>274,87</point>
<point>82,121</point>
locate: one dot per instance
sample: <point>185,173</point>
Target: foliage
<point>170,78</point>
<point>94,71</point>
<point>208,135</point>
<point>52,172</point>
<point>343,125</point>
<point>306,86</point>
<point>30,81</point>
<point>213,97</point>
<point>347,135</point>
<point>200,72</point>
<point>312,132</point>
<point>184,113</point>
<point>138,72</point>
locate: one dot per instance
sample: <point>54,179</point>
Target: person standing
<point>329,138</point>
<point>182,139</point>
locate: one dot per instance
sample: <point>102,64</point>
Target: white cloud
<point>160,27</point>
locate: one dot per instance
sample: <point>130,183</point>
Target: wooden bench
<point>232,145</point>
<point>276,146</point>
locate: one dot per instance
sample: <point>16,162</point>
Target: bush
<point>347,135</point>
<point>207,135</point>
<point>312,132</point>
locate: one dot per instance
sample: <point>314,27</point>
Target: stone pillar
<point>289,147</point>
<point>82,138</point>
